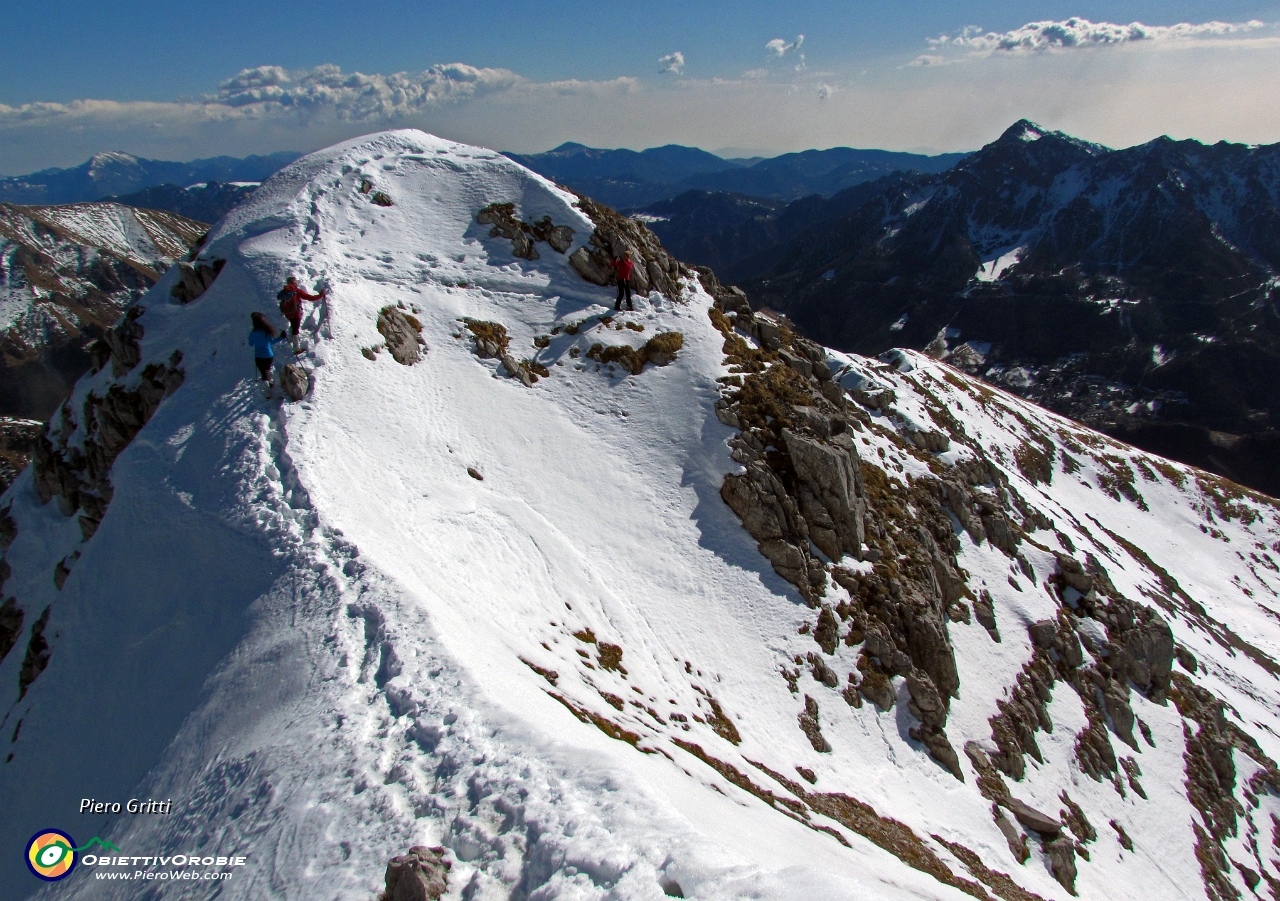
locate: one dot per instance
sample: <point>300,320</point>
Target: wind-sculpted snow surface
<point>440,601</point>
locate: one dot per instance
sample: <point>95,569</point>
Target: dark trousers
<point>294,325</point>
<point>264,365</point>
<point>624,286</point>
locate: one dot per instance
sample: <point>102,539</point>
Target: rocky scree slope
<point>1119,287</point>
<point>671,603</point>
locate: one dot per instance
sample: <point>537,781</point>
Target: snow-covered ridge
<point>430,605</point>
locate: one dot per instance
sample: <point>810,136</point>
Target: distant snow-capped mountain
<point>114,173</point>
<point>66,274</point>
<point>609,604</point>
<point>1119,287</point>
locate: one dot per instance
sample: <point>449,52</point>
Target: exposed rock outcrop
<point>403,334</point>
<point>659,350</point>
<point>523,235</point>
<point>121,345</point>
<point>804,487</point>
<point>420,875</point>
<point>18,439</point>
<point>491,338</point>
<point>295,381</point>
<point>80,476</point>
<point>195,278</point>
<point>11,617</point>
<point>37,656</point>
<point>616,235</point>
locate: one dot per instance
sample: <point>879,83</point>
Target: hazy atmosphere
<point>177,82</point>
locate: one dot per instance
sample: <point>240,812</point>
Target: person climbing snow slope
<point>291,297</point>
<point>623,267</point>
<point>263,339</point>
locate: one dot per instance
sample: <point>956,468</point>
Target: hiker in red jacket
<point>291,297</point>
<point>623,267</point>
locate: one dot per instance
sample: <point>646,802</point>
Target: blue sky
<point>184,80</point>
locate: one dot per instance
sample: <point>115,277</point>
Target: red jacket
<point>291,302</point>
<point>623,267</point>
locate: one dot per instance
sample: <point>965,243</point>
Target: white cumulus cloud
<point>355,96</point>
<point>780,48</point>
<point>672,62</point>
<point>1075,33</point>
<point>272,107</point>
<point>825,91</point>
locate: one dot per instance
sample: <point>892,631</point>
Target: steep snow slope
<point>429,604</point>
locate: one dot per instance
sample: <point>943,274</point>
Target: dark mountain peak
<point>569,148</point>
<point>1025,132</point>
<point>1028,154</point>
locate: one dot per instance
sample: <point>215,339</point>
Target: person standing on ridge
<point>263,340</point>
<point>291,297</point>
<point>623,267</point>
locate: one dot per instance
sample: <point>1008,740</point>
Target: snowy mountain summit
<point>633,605</point>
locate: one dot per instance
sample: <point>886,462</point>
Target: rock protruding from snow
<point>1033,819</point>
<point>403,334</point>
<point>615,235</point>
<point>121,344</point>
<point>194,279</point>
<point>79,475</point>
<point>420,875</point>
<point>295,381</point>
<point>521,234</point>
<point>10,626</point>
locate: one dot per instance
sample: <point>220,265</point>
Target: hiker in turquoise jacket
<point>263,340</point>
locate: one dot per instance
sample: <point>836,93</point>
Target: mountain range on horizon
<point>113,173</point>
<point>630,605</point>
<point>618,177</point>
<point>627,178</point>
<point>1133,290</point>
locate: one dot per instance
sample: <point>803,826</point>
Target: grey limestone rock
<point>401,332</point>
<point>931,651</point>
<point>811,727</point>
<point>1017,842</point>
<point>420,875</point>
<point>928,439</point>
<point>1062,860</point>
<point>830,473</point>
<point>194,279</point>
<point>1043,633</point>
<point>589,267</point>
<point>516,371</point>
<point>1033,819</point>
<point>37,656</point>
<point>1073,574</point>
<point>8,528</point>
<point>295,380</point>
<point>522,246</point>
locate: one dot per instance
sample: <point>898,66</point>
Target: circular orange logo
<point>51,855</point>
